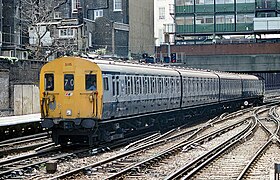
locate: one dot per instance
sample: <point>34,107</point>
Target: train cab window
<point>91,82</point>
<point>49,82</point>
<point>68,82</point>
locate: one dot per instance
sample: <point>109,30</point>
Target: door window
<point>68,82</point>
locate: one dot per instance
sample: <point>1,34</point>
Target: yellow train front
<point>71,96</point>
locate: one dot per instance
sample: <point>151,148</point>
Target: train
<point>89,101</point>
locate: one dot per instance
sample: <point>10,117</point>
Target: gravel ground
<point>231,164</point>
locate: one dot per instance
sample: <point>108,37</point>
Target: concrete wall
<point>4,92</point>
<point>26,99</point>
<point>21,73</point>
<point>227,57</point>
<point>141,24</point>
<point>241,63</point>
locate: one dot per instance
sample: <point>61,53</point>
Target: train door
<point>89,101</point>
<point>69,108</point>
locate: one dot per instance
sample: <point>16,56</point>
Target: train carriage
<point>252,86</point>
<point>89,101</point>
<point>199,87</point>
<point>132,90</point>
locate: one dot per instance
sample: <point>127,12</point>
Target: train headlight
<point>68,112</point>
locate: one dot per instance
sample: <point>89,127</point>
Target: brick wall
<point>223,49</point>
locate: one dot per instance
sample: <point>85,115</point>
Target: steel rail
<point>274,136</point>
<point>171,151</point>
<point>194,166</point>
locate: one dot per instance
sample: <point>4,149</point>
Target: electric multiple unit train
<point>89,101</point>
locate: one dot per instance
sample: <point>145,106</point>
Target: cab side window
<point>49,82</point>
<point>68,82</point>
<point>90,82</point>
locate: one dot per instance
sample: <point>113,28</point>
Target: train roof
<point>248,76</point>
<point>130,68</point>
<point>138,68</point>
<point>123,67</point>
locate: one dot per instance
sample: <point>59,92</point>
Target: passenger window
<point>141,80</point>
<point>145,88</point>
<point>125,81</point>
<point>128,85</point>
<point>106,83</point>
<point>68,82</point>
<point>166,86</point>
<point>91,82</point>
<point>148,87</point>
<point>49,82</point>
<point>113,85</point>
<point>118,85</point>
<point>159,85</point>
<point>153,86</point>
<point>132,84</point>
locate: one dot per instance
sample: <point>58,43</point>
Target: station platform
<point>17,126</point>
<point>16,120</point>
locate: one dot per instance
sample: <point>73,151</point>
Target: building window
<point>229,1</point>
<point>75,6</point>
<point>57,15</point>
<point>229,19</point>
<point>184,2</point>
<point>220,19</point>
<point>240,18</point>
<point>199,2</point>
<point>98,13</point>
<point>161,13</point>
<point>117,5</point>
<point>204,20</point>
<point>66,33</point>
<point>208,1</point>
<point>90,39</point>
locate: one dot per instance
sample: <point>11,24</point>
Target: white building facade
<point>164,22</point>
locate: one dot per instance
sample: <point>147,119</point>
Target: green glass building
<point>221,17</point>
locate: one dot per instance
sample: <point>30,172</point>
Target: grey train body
<point>133,89</point>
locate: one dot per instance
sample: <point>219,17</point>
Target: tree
<point>38,16</point>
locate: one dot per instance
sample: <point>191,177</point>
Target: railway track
<point>261,166</point>
<point>125,163</point>
<point>150,157</point>
<point>23,166</point>
<point>23,144</point>
<point>232,161</point>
